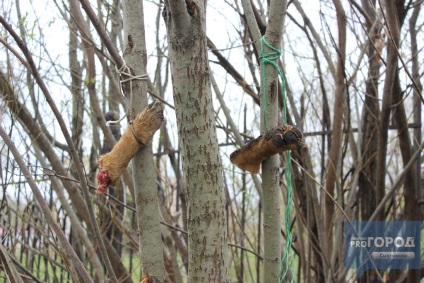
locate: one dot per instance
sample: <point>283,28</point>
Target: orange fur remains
<point>279,139</point>
<point>145,125</point>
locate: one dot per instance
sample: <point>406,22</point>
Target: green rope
<point>270,58</point>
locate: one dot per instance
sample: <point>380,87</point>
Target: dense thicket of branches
<point>354,87</point>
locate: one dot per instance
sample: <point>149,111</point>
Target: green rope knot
<point>271,58</point>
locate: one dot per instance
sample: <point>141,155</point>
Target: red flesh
<point>104,181</point>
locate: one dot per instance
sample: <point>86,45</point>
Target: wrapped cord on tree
<point>139,132</point>
<point>270,58</point>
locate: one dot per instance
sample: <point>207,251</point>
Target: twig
<point>322,188</point>
<point>79,166</point>
<point>229,244</point>
<point>9,268</point>
<point>237,135</point>
<point>54,174</point>
<point>417,88</point>
<point>153,92</point>
<point>45,208</point>
<point>17,55</point>
<point>381,205</point>
<point>246,249</point>
<point>119,62</point>
<point>24,269</point>
<point>398,182</point>
<point>173,227</point>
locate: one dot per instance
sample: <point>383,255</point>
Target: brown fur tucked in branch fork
<point>144,126</point>
<point>277,140</point>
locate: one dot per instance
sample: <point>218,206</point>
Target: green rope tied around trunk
<point>271,58</point>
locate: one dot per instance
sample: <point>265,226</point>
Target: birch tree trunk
<point>202,169</point>
<point>150,243</point>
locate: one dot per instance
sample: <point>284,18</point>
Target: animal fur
<point>277,140</point>
<point>113,164</point>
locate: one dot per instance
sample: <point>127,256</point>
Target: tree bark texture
<point>392,28</point>
<point>370,113</point>
<point>269,120</point>
<point>411,209</point>
<point>202,169</point>
<point>116,38</point>
<point>336,138</point>
<point>150,243</point>
<point>416,75</point>
<point>415,275</point>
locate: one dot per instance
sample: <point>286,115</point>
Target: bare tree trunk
<point>77,113</point>
<point>411,208</point>
<point>307,194</point>
<point>76,84</point>
<point>116,264</point>
<point>392,27</point>
<point>370,113</point>
<point>370,119</point>
<point>207,227</point>
<point>91,71</point>
<point>418,106</point>
<point>336,138</point>
<point>269,119</point>
<point>415,275</point>
<point>116,29</point>
<point>150,242</point>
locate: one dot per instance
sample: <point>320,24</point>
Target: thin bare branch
<point>69,251</point>
<point>73,151</point>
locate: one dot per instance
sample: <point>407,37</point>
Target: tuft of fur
<point>277,140</point>
<point>145,125</point>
